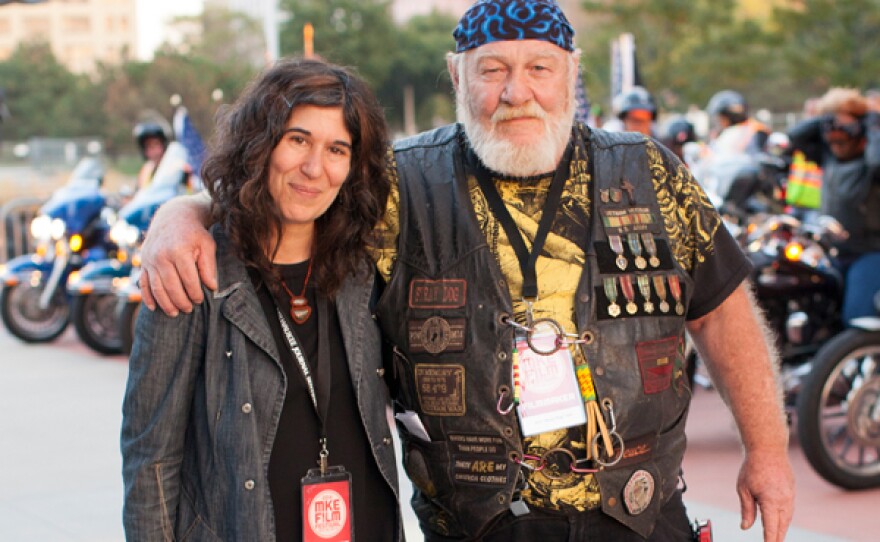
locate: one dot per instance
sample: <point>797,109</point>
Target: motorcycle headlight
<point>124,234</point>
<point>41,227</point>
<point>794,251</point>
<point>57,229</point>
<point>76,242</point>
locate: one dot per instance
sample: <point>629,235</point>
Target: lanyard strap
<point>321,399</point>
<point>527,260</point>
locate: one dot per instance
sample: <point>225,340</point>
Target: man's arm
<point>734,342</point>
<point>178,255</point>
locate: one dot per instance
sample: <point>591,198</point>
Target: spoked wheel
<point>94,317</point>
<point>839,411</point>
<point>24,318</point>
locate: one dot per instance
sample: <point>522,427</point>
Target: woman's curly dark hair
<point>236,170</point>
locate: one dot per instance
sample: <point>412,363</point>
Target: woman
<point>229,407</point>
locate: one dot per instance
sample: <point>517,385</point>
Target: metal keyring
<point>547,472</point>
<point>536,331</point>
<point>595,447</point>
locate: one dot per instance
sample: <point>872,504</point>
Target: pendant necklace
<point>299,305</point>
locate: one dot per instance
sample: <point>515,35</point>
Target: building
<point>81,33</point>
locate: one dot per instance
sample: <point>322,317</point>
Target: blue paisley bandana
<point>502,20</point>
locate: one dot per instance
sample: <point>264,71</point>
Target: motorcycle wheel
<point>94,317</point>
<point>839,411</point>
<point>23,317</point>
<point>127,317</point>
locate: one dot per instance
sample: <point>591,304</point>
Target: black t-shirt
<point>296,447</point>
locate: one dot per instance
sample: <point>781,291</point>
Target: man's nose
<point>517,90</point>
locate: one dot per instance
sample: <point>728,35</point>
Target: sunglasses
<point>852,129</point>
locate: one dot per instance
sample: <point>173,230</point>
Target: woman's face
<point>309,164</point>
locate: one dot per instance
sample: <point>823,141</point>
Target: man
<point>635,110</point>
<point>152,142</point>
<point>537,301</point>
<point>845,142</point>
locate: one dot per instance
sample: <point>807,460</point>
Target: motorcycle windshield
<point>168,181</point>
<point>80,199</point>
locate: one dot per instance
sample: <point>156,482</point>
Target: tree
<point>825,43</point>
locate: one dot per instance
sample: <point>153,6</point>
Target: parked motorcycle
<point>172,177</point>
<point>839,406</point>
<point>798,288</point>
<point>70,232</point>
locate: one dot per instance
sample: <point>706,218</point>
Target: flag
<point>185,132</point>
<point>624,65</point>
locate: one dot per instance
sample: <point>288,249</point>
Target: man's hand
<point>766,480</point>
<point>177,255</point>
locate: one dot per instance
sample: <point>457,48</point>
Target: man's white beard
<point>505,157</point>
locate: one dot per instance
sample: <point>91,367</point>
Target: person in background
<point>230,408</point>
<point>152,140</point>
<point>678,132</point>
<point>635,110</point>
<point>729,118</point>
<point>517,246</point>
<point>844,140</point>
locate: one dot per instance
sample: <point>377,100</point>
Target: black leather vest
<point>444,311</point>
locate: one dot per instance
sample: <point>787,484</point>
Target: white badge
<point>549,397</point>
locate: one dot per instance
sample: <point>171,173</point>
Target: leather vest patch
<point>441,389</point>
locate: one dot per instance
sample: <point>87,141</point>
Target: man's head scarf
<point>504,20</point>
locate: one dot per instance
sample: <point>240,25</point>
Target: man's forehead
<point>516,50</point>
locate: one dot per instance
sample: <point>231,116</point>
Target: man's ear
<point>452,68</point>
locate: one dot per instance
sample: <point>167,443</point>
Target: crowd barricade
<point>15,221</point>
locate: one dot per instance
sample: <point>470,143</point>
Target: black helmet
<point>634,98</point>
<point>730,104</point>
<point>679,131</point>
<point>145,130</point>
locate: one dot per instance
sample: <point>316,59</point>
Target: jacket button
<point>600,371</point>
<point>612,502</point>
<point>387,441</point>
<point>247,408</point>
<point>584,298</point>
<point>380,372</point>
<point>249,485</point>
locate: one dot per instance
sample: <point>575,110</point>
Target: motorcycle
<point>798,288</point>
<point>70,231</point>
<point>173,177</point>
<point>838,407</point>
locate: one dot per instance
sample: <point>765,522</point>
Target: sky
<point>151,16</point>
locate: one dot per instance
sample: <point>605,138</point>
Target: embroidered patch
<point>630,219</point>
<point>437,294</point>
<point>476,444</point>
<point>656,361</point>
<point>637,450</point>
<point>441,389</point>
<point>638,492</point>
<point>435,335</point>
<point>480,470</point>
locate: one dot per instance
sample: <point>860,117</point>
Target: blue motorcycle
<point>70,231</point>
<point>105,293</point>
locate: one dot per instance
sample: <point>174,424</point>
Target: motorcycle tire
<point>94,317</point>
<point>22,316</point>
<point>838,425</point>
<point>128,313</point>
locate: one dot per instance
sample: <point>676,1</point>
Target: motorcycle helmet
<point>730,104</point>
<point>636,98</point>
<point>679,131</point>
<point>145,130</point>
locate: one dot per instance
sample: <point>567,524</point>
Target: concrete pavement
<point>60,467</point>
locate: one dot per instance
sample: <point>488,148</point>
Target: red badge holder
<point>327,509</point>
<point>702,531</point>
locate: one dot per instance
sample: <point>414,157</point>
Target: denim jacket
<point>204,398</point>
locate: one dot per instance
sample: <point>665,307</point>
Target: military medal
<point>616,195</point>
<point>651,249</point>
<point>635,246</point>
<point>675,289</point>
<point>611,294</point>
<point>645,289</point>
<point>626,286</point>
<point>604,195</point>
<point>617,246</point>
<point>660,288</point>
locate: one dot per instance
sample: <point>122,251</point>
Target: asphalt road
<point>60,466</point>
